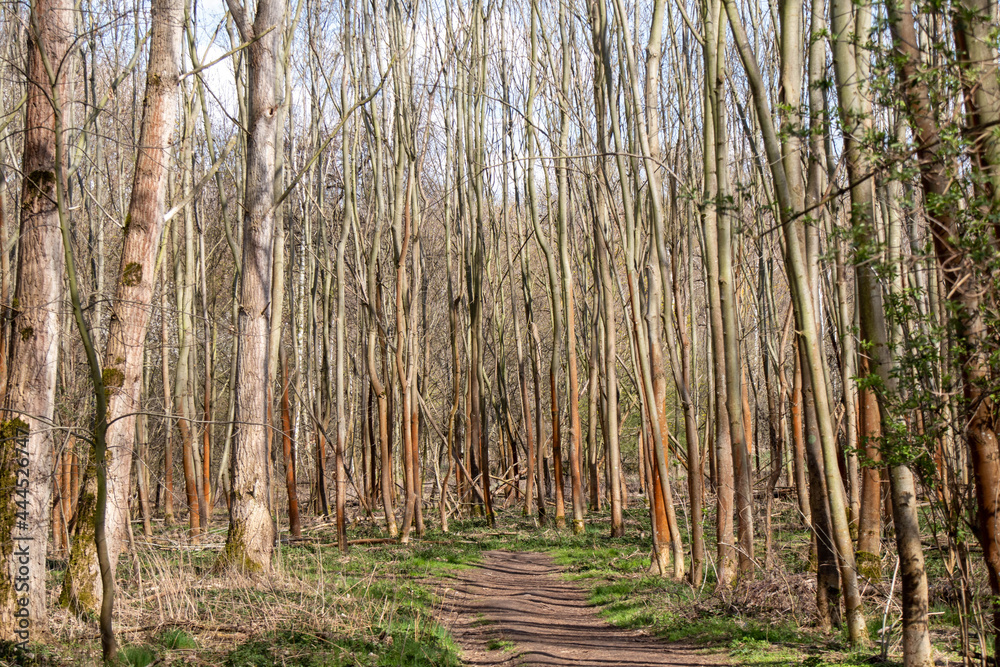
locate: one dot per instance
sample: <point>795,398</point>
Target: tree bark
<point>725,488</point>
<point>130,310</point>
<point>250,541</point>
<point>29,405</point>
<point>294,525</point>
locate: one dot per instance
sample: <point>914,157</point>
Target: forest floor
<point>511,593</point>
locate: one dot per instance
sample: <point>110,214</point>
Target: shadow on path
<point>517,605</point>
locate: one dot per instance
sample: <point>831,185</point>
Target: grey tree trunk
<point>566,282</point>
<point>725,489</point>
<point>250,541</point>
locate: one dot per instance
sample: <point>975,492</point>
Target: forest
<point>663,329</point>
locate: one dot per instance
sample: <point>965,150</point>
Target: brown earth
<point>516,604</point>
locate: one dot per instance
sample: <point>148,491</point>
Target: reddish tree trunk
<point>286,450</point>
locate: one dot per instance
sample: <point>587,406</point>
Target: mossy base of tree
<point>10,431</point>
<point>869,565</point>
<point>235,556</point>
<point>82,581</point>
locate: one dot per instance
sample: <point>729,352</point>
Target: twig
<point>885,616</point>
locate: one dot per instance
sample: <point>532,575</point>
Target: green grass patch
<point>500,645</point>
<point>136,656</point>
<point>177,638</point>
<point>406,643</point>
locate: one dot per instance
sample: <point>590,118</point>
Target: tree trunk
<point>294,526</point>
<point>250,541</point>
<point>807,323</point>
<point>130,309</point>
<point>168,442</point>
<point>566,283</point>
<point>31,382</point>
<point>610,356</point>
<point>672,534</point>
<point>870,521</point>
<point>827,576</point>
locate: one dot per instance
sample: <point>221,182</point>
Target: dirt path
<point>514,609</point>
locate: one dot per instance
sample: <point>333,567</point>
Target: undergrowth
<point>376,605</point>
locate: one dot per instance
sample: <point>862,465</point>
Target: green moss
<point>136,656</point>
<point>132,274</point>
<point>10,429</point>
<point>235,556</point>
<point>13,428</point>
<point>15,303</point>
<point>80,580</point>
<point>869,565</point>
<point>27,332</point>
<point>113,378</point>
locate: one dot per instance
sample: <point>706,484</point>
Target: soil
<point>514,609</point>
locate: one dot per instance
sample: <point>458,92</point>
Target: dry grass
<point>167,584</point>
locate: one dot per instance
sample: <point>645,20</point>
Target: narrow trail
<point>516,604</point>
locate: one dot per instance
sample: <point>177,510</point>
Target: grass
<point>37,655</point>
<point>762,653</point>
<point>403,644</point>
<point>316,608</point>
<point>177,638</point>
<point>500,645</point>
<point>136,656</point>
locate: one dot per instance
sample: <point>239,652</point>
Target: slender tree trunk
<point>802,492</point>
<point>347,222</point>
<point>566,286</point>
<point>695,460</point>
<point>68,457</point>
<point>184,288</point>
<point>775,401</point>
<point>130,309</point>
<point>870,521</point>
<point>294,526</point>
<point>409,467</point>
<point>807,323</point>
<point>594,396</point>
<point>725,489</point>
<point>250,541</point>
<point>206,432</point>
<point>379,388</point>
<point>168,442</point>
<point>827,577</point>
<point>610,356</point>
<point>673,534</point>
<point>522,370</point>
<point>733,392</point>
<point>555,291</point>
<point>453,306</point>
